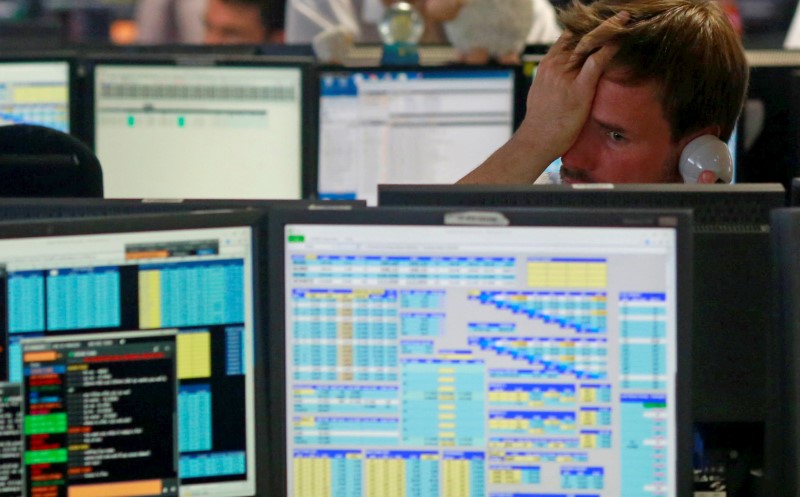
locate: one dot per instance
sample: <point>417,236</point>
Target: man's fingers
<point>594,66</point>
<point>599,36</point>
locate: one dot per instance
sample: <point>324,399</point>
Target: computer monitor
<point>414,125</point>
<point>101,414</point>
<point>37,90</point>
<point>444,352</point>
<point>731,264</point>
<point>10,440</point>
<point>195,127</point>
<point>195,272</point>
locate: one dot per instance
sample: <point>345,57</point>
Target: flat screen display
<point>165,131</point>
<point>475,361</point>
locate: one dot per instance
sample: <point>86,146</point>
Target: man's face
<point>233,23</point>
<point>625,140</point>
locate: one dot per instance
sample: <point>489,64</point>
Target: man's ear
<point>713,129</point>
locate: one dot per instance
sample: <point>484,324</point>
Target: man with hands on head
<point>626,87</point>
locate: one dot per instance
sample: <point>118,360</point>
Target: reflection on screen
<point>35,93</point>
<point>199,132</point>
<point>427,361</point>
<point>420,126</point>
<point>198,281</point>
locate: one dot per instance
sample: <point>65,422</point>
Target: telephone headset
<point>706,153</point>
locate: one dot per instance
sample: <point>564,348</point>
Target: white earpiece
<point>706,153</point>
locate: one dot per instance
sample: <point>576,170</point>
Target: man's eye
<point>617,137</point>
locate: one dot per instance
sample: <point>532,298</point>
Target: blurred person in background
<point>170,21</point>
<point>302,23</point>
<point>241,22</point>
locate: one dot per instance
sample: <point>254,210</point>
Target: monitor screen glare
<point>199,132</point>
<point>474,361</point>
<point>413,126</point>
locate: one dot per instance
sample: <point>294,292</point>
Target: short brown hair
<point>687,47</point>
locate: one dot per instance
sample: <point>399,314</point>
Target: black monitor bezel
<point>680,220</point>
<point>674,195</point>
<point>253,219</point>
<point>308,123</point>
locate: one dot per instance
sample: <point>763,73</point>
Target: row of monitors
<point>250,128</point>
<point>399,346</point>
<point>255,128</point>
<point>351,351</point>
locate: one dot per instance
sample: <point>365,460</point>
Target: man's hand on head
<point>558,105</point>
<point>560,98</point>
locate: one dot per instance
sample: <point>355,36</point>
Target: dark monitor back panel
<point>783,428</point>
<point>17,209</point>
<point>717,208</point>
<point>733,291</point>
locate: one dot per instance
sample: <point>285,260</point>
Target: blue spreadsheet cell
<point>83,298</point>
<point>422,299</point>
<point>212,464</point>
<point>531,395</point>
<point>346,431</point>
<point>534,443</point>
<point>491,327</point>
<point>582,358</point>
<point>533,422</point>
<point>194,418</point>
<point>422,324</point>
<point>234,351</point>
<point>318,329</point>
<point>643,437</point>
<point>389,269</point>
<point>343,399</point>
<point>579,312</point>
<point>201,293</point>
<point>417,347</point>
<point>582,478</point>
<point>643,359</point>
<point>443,402</point>
<point>26,302</point>
<point>629,328</point>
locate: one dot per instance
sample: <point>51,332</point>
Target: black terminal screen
<point>10,440</point>
<point>100,415</point>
